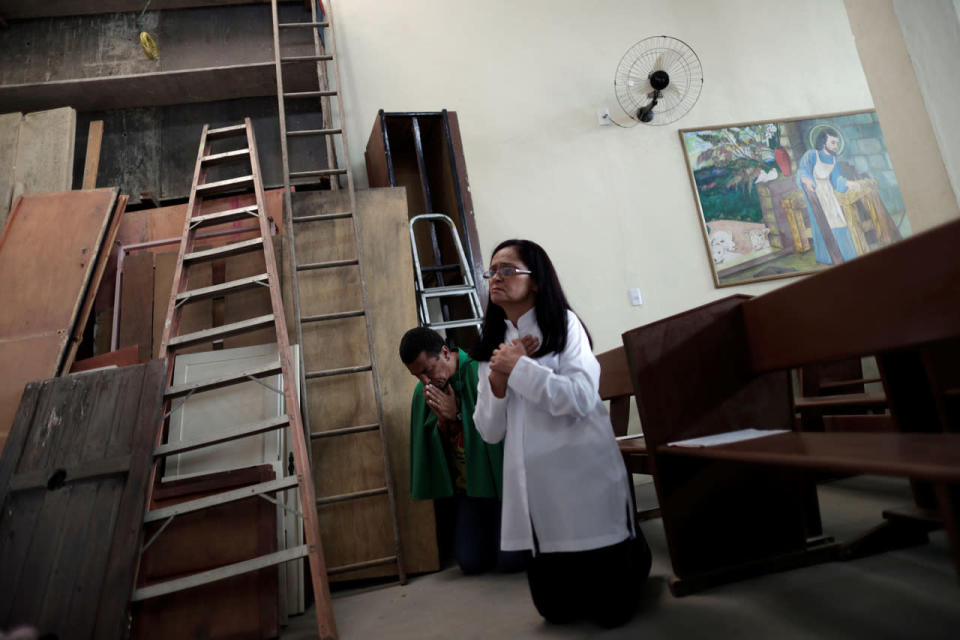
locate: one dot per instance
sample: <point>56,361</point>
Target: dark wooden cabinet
<point>422,151</point>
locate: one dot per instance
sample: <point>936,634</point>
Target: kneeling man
<point>449,461</point>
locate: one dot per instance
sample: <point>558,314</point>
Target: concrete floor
<point>912,593</point>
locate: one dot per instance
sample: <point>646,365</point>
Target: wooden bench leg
<point>948,497</point>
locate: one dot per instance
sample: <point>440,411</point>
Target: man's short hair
<point>822,138</point>
<point>419,340</point>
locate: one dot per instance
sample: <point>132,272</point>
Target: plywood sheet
<point>44,277</point>
<point>163,223</point>
<point>90,294</point>
<point>44,271</point>
<point>136,303</point>
<point>389,268</point>
<point>362,529</point>
<point>45,151</point>
<point>68,548</point>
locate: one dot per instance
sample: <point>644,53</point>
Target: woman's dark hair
<point>550,304</point>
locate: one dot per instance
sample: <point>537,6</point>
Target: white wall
<point>613,207</point>
<point>931,30</point>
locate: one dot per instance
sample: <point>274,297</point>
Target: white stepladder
<point>467,288</point>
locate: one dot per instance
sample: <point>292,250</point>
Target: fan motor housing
<point>659,79</point>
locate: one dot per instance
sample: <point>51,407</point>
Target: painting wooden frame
<point>782,198</point>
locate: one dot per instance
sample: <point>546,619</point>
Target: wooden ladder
<point>176,395</point>
<point>334,137</point>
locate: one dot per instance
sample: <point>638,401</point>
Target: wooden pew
<point>615,386</point>
<point>738,510</point>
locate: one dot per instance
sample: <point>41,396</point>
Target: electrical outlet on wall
<point>635,298</point>
<point>603,116</point>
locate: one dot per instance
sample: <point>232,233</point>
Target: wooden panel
<point>164,266</point>
<point>389,266</point>
<point>68,550</point>
<point>44,277</point>
<point>90,293</point>
<point>45,151</point>
<point>9,135</point>
<point>44,272</point>
<point>375,155</point>
<point>120,358</point>
<point>241,607</point>
<point>463,184</point>
<point>361,529</point>
<point>165,223</point>
<point>136,303</point>
<point>18,10</point>
<point>150,89</point>
<point>251,303</point>
<point>919,302</point>
<point>92,161</point>
<point>195,316</point>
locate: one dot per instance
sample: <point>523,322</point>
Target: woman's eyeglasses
<point>506,271</point>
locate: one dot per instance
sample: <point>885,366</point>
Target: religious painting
<point>782,198</point>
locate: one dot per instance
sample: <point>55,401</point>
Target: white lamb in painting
<point>759,240</point>
<point>722,246</point>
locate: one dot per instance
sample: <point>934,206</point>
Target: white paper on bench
<point>630,436</point>
<point>726,438</point>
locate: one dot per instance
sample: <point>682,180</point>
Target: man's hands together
<point>443,402</point>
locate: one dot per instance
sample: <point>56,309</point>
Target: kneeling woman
<point>565,491</point>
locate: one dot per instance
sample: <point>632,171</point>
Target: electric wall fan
<point>658,80</point>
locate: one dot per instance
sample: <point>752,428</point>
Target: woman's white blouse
<point>563,476</point>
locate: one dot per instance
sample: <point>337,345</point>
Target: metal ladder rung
<point>295,25</point>
<point>326,265</point>
<point>220,290</point>
<point>175,391</point>
<point>225,251</point>
<point>220,573</point>
<point>355,495</point>
<point>345,431</point>
<point>332,316</point>
<point>455,324</point>
<point>442,267</point>
<point>453,290</point>
<point>310,94</point>
<point>366,564</point>
<point>324,216</point>
<point>221,217</point>
<point>224,186</point>
<point>172,448</point>
<point>320,58</point>
<point>310,375</point>
<point>225,157</point>
<point>226,132</point>
<point>317,173</point>
<point>314,132</point>
<point>221,498</point>
<point>224,331</point>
